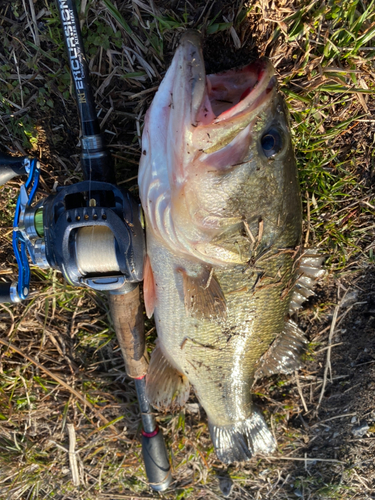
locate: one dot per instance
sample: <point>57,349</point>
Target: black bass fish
<point>219,187</point>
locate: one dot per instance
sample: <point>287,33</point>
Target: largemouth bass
<point>219,188</point>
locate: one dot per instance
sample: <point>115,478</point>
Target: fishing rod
<point>92,233</point>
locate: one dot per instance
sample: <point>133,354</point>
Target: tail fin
<point>242,440</point>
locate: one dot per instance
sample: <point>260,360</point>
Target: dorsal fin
<point>310,269</point>
<point>284,355</point>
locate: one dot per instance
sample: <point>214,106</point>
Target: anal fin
<point>166,387</point>
<point>284,355</point>
<point>243,439</point>
<point>203,296</point>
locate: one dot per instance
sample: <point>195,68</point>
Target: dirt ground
<point>324,415</point>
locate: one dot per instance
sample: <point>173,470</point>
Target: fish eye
<point>271,142</point>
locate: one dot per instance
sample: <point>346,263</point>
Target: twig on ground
<point>9,311</point>
<point>300,391</point>
<point>82,13</point>
<point>304,459</point>
<point>73,454</point>
<point>339,320</point>
<point>308,220</point>
<point>131,496</point>
<point>328,347</point>
<point>328,358</point>
<point>334,418</point>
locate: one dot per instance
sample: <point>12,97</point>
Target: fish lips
<point>217,98</point>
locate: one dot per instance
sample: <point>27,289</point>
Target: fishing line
<point>96,250</point>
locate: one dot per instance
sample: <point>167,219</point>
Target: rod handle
<point>11,166</point>
<point>156,460</point>
<point>127,317</point>
<point>5,293</point>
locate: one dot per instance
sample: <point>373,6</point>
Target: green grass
<point>328,177</point>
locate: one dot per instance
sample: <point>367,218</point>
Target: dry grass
<point>61,368</point>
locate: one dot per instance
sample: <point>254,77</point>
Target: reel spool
<point>96,250</point>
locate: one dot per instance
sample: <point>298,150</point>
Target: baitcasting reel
<point>90,231</point>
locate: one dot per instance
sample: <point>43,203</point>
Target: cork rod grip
<point>127,317</point>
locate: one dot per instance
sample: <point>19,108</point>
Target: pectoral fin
<point>203,296</point>
<point>166,387</point>
<point>284,355</point>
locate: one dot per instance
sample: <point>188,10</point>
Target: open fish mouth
<point>222,104</point>
<point>222,95</point>
<point>233,91</point>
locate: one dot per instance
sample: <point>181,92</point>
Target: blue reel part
<point>20,240</point>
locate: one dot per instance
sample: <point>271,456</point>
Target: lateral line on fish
<point>183,343</point>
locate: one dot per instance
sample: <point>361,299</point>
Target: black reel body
<point>94,205</point>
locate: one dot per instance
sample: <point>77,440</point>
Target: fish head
<point>218,174</point>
